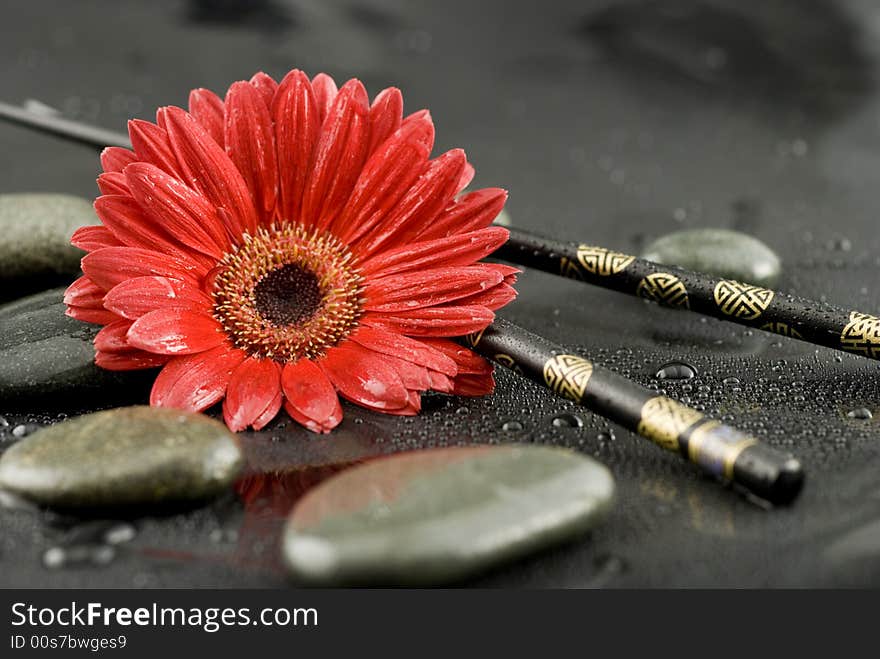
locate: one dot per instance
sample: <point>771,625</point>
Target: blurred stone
<point>44,354</point>
<point>124,456</point>
<point>35,232</point>
<point>720,252</point>
<point>438,515</point>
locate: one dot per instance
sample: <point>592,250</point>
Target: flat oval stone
<point>437,515</point>
<point>44,353</point>
<point>35,231</point>
<point>720,252</point>
<point>124,456</point>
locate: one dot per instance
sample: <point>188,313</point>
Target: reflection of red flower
<point>288,243</point>
<point>275,493</point>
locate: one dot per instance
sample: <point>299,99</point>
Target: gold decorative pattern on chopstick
<point>568,376</point>
<point>783,329</point>
<point>507,361</point>
<point>861,335</point>
<point>663,420</point>
<point>601,261</point>
<point>742,300</point>
<point>664,288</point>
<point>474,338</point>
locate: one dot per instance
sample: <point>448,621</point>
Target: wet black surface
<point>614,122</point>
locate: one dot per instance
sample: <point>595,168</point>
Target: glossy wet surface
<point>610,122</point>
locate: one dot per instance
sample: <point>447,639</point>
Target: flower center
<point>287,293</point>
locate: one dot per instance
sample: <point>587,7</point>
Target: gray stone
<point>35,231</point>
<point>125,456</point>
<point>44,353</point>
<point>719,252</point>
<point>438,515</point>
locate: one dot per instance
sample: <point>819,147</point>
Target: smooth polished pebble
<point>124,456</point>
<point>434,516</point>
<point>720,252</point>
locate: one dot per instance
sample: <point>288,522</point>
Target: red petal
<point>84,293</point>
<point>250,143</point>
<point>297,124</point>
<point>115,158</point>
<point>182,212</point>
<point>195,382</point>
<point>91,238</point>
<point>466,177</point>
<point>364,378</point>
<point>253,388</point>
<point>412,407</point>
<point>413,376</point>
<point>422,117</point>
<point>126,220</point>
<point>266,85</point>
<point>133,360</point>
<point>493,298</point>
<point>473,211</point>
<point>339,156</point>
<point>207,108</point>
<point>113,183</point>
<point>423,202</point>
<point>175,332</point>
<point>440,382</point>
<point>509,272</point>
<point>462,249</point>
<point>386,177</point>
<point>110,266</point>
<point>138,296</point>
<point>309,424</point>
<point>269,413</point>
<point>112,338</point>
<point>434,321</point>
<point>473,385</point>
<point>468,361</point>
<point>385,116</point>
<point>402,347</point>
<point>310,397</point>
<point>151,145</point>
<point>95,316</point>
<point>325,93</point>
<point>427,288</point>
<point>206,168</point>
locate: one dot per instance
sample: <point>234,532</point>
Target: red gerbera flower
<point>286,244</point>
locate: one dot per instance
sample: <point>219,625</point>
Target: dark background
<point>612,122</point>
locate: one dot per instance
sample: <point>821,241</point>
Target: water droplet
<point>730,381</point>
<point>224,535</point>
<point>58,557</point>
<point>676,371</point>
<point>102,554</point>
<point>54,557</point>
<point>862,413</point>
<point>120,533</point>
<point>841,244</point>
<point>511,426</point>
<point>462,410</point>
<point>20,431</point>
<point>567,421</point>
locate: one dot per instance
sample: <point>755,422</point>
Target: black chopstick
<point>762,308</point>
<point>718,449</point>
